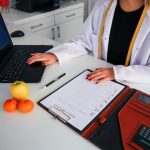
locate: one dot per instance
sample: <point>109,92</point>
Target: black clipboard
<point>50,110</point>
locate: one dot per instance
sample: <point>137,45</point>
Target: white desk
<point>38,130</point>
<point>29,38</point>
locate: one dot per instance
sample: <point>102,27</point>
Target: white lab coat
<point>139,69</point>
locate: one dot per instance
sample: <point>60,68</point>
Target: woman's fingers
<point>95,75</point>
<point>45,58</point>
<point>98,70</point>
<point>101,75</point>
<point>102,80</point>
<point>45,63</point>
<point>33,57</point>
<point>38,59</point>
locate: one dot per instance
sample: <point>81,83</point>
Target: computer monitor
<point>5,40</point>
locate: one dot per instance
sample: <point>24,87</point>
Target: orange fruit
<point>10,105</point>
<point>25,106</point>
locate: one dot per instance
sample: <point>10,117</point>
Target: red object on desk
<point>4,3</point>
<point>134,117</point>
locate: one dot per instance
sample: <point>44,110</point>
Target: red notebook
<point>134,120</point>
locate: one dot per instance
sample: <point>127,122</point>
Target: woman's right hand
<point>45,58</point>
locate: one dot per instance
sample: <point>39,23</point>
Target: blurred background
<point>88,5</point>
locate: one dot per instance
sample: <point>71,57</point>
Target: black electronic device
<point>37,5</point>
<point>17,33</point>
<point>13,59</point>
<point>142,137</point>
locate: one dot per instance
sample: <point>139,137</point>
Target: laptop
<point>13,59</point>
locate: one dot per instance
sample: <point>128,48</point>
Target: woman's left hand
<point>101,75</point>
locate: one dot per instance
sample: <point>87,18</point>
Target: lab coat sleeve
<point>133,73</point>
<point>82,45</point>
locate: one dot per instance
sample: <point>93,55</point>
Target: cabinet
<point>61,25</point>
<point>72,27</point>
<point>68,25</point>
<point>63,28</point>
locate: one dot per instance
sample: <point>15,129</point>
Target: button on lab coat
<point>139,69</point>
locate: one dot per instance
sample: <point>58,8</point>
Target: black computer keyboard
<point>12,70</point>
<point>16,63</point>
<point>14,67</point>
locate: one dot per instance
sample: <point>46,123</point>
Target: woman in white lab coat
<point>114,32</point>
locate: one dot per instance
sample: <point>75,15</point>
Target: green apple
<point>19,90</point>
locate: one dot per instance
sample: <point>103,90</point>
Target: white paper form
<point>80,100</point>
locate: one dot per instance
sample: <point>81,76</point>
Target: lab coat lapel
<point>145,29</point>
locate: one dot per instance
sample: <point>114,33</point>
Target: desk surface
<point>29,38</point>
<point>38,130</point>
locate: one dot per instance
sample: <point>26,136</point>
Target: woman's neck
<point>131,5</point>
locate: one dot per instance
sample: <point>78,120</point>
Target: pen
<point>51,82</point>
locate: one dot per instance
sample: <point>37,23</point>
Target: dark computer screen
<point>5,41</point>
<point>41,2</point>
<point>42,5</point>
